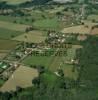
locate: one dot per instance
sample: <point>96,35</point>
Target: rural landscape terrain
<point>48,49</point>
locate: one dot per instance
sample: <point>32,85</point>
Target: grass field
<point>33,36</point>
<point>48,24</point>
<point>15,1</point>
<point>8,34</point>
<point>38,60</point>
<point>13,26</point>
<point>49,78</point>
<point>22,77</point>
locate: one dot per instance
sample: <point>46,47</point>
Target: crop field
<point>22,77</point>
<point>82,29</point>
<point>77,29</point>
<point>7,44</point>
<point>33,36</point>
<point>13,26</point>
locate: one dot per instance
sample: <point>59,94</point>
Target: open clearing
<point>13,26</point>
<point>22,77</point>
<point>33,36</point>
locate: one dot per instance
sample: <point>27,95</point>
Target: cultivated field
<point>8,34</point>
<point>82,29</point>
<point>13,26</point>
<point>7,44</point>
<point>15,1</point>
<point>22,77</point>
<point>53,24</point>
<point>33,36</point>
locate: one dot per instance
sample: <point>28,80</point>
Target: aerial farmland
<point>48,49</point>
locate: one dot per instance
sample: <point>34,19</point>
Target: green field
<point>32,36</point>
<point>48,24</point>
<point>13,26</point>
<point>38,60</point>
<point>8,34</point>
<point>7,44</point>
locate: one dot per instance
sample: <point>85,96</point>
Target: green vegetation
<point>7,44</point>
<point>8,34</point>
<point>71,76</point>
<point>38,60</point>
<point>53,24</point>
<point>15,1</point>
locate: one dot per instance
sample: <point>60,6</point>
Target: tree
<point>36,81</point>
